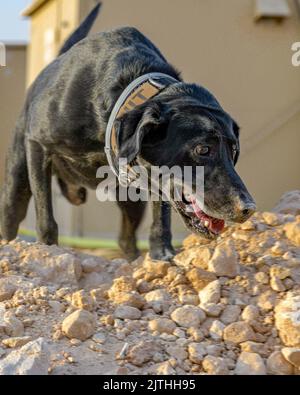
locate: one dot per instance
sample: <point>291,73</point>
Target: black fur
<point>62,127</point>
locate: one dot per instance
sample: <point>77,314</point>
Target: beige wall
<point>273,166</point>
<point>12,89</point>
<point>215,43</point>
<point>51,24</point>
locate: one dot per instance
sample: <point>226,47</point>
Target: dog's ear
<point>145,126</point>
<point>236,131</point>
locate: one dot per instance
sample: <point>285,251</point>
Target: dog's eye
<point>201,150</point>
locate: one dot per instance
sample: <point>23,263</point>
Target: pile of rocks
<point>228,307</point>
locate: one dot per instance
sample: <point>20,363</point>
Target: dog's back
<point>16,193</point>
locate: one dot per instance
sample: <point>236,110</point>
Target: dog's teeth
<point>206,224</point>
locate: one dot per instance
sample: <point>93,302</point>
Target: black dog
<point>61,131</point>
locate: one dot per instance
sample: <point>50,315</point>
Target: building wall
<point>246,65</point>
<point>12,90</point>
<point>273,166</point>
<point>51,24</point>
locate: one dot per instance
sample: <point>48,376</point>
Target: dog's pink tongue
<point>215,225</point>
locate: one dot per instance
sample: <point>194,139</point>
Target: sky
<point>13,27</point>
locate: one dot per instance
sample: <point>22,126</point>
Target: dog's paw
<point>48,235</point>
<point>129,249</point>
<point>163,254</point>
<point>132,255</point>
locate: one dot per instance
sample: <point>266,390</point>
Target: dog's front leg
<point>39,168</point>
<point>161,236</point>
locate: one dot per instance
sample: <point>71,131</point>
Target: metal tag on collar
<point>126,176</point>
<point>123,178</point>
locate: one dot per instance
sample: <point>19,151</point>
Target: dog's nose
<point>244,211</point>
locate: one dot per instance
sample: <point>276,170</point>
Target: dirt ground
<point>230,307</point>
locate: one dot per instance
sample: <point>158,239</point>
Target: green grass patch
<point>90,243</point>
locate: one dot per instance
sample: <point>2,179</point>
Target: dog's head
<point>186,126</point>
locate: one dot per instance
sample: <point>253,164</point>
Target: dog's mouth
<point>197,220</point>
